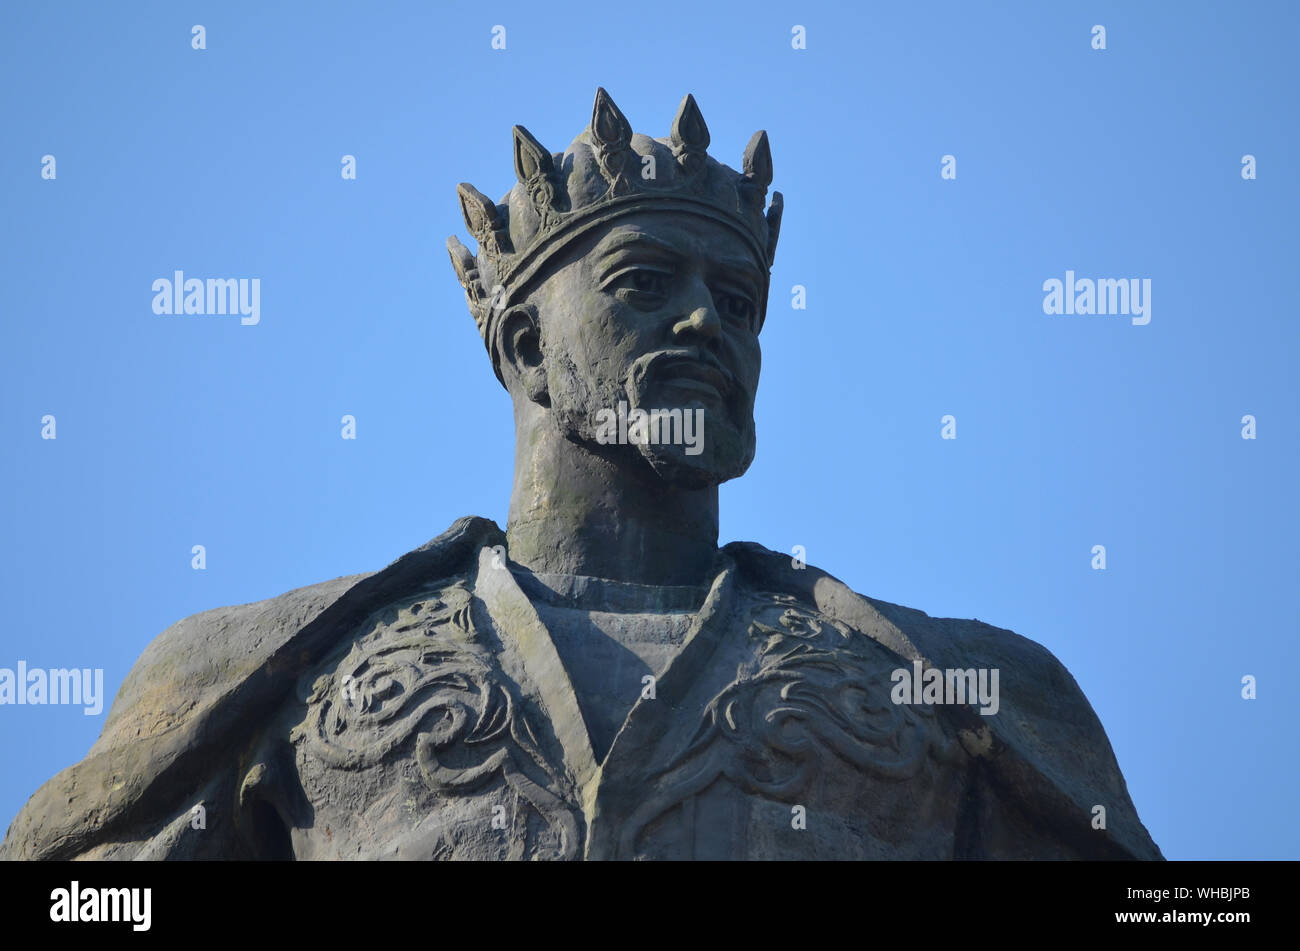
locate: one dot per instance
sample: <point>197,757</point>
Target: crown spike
<point>774,211</point>
<point>466,268</point>
<point>481,217</point>
<point>757,161</point>
<point>531,160</point>
<point>462,261</point>
<point>689,132</point>
<point>608,124</point>
<point>479,211</point>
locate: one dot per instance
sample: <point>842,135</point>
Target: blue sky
<point>924,298</point>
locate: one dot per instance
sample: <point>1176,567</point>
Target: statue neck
<point>575,512</point>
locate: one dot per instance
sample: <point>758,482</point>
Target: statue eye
<point>649,282</point>
<point>641,286</point>
<point>736,307</point>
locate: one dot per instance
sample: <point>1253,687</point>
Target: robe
<point>424,712</point>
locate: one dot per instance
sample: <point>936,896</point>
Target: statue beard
<point>726,448</point>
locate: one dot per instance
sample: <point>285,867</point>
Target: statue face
<point>660,313</point>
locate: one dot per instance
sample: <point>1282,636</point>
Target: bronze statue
<point>601,680</point>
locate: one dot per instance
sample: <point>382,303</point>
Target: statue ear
<point>519,341</point>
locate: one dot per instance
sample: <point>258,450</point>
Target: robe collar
<point>529,649</point>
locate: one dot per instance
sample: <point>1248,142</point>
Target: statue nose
<point>701,322</point>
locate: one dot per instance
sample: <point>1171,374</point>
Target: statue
<point>601,680</point>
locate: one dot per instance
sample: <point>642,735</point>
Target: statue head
<point>620,288</point>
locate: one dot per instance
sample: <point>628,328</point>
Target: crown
<point>607,172</point>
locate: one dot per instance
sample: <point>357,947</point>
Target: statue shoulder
<point>971,642</point>
<point>209,651</point>
<point>910,632</point>
<point>188,672</point>
<point>1045,741</point>
<point>203,686</point>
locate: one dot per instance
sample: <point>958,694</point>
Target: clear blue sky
<point>924,299</point>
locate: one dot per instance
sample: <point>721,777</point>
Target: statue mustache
<point>646,368</point>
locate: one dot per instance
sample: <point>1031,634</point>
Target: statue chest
<point>440,732</point>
